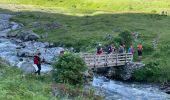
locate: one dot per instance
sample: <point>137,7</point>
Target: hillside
<point>103,5</point>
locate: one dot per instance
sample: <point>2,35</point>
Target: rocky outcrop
<point>129,68</point>
<point>12,34</point>
<point>166,87</point>
<point>124,72</point>
<point>27,35</point>
<point>19,46</point>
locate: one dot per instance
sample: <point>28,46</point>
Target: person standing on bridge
<point>99,50</point>
<point>111,49</point>
<point>131,50</point>
<point>121,48</point>
<point>140,49</point>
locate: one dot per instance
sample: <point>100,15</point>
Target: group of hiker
<point>121,49</point>
<point>111,49</point>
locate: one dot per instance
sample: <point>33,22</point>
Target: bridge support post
<point>116,58</point>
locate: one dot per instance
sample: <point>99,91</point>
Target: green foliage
<point>76,93</point>
<point>69,69</point>
<point>15,86</point>
<point>148,48</point>
<point>154,71</point>
<point>126,38</point>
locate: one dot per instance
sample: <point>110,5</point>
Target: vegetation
<point>84,23</point>
<point>126,38</point>
<point>97,5</point>
<point>69,69</point>
<point>15,86</point>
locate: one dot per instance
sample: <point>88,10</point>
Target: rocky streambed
<point>18,50</point>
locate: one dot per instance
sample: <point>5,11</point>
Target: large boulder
<point>166,87</point>
<point>12,33</point>
<point>27,67</point>
<point>31,36</point>
<point>27,35</point>
<point>129,68</point>
<point>25,53</point>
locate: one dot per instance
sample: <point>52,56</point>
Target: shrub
<point>69,69</point>
<point>155,71</point>
<point>148,48</point>
<point>126,37</point>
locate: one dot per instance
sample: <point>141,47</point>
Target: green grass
<point>13,86</point>
<point>104,5</point>
<point>84,23</point>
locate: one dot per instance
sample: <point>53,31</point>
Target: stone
<point>31,37</point>
<point>27,67</point>
<point>129,68</point>
<point>12,34</point>
<point>25,53</point>
<point>27,35</point>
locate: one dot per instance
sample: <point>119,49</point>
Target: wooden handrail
<point>93,60</point>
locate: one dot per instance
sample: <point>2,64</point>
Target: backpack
<point>36,60</point>
<point>98,50</point>
<point>110,49</point>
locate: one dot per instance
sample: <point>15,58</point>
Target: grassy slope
<point>87,30</point>
<point>111,5</point>
<point>15,87</point>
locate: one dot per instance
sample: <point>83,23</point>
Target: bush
<point>155,71</point>
<point>148,48</point>
<point>69,69</point>
<point>126,37</point>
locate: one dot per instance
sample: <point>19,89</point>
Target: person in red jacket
<point>37,61</point>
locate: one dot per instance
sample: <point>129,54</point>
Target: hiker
<point>99,50</point>
<point>111,49</point>
<point>131,50</point>
<point>37,61</point>
<point>124,46</point>
<point>121,48</point>
<point>140,48</point>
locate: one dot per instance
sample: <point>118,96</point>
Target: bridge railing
<point>106,60</point>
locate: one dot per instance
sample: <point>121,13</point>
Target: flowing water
<point>116,90</point>
<point>110,89</point>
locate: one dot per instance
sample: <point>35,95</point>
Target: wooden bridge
<point>106,60</point>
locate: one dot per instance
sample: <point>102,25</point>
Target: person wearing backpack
<point>140,49</point>
<point>37,61</point>
<point>99,50</point>
<point>111,49</point>
<point>121,48</point>
<point>131,50</point>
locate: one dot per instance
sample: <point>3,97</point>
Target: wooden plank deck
<point>106,60</point>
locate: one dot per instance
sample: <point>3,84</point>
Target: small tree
<point>69,69</point>
<point>126,37</point>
